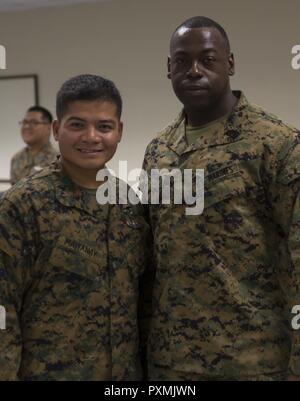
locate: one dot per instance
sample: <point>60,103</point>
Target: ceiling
<point>21,5</point>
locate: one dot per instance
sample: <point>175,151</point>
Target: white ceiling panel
<point>21,5</point>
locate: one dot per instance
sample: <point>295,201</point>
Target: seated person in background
<point>70,267</point>
<point>39,153</point>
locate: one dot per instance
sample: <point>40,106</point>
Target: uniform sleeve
<point>285,199</point>
<point>11,289</point>
<point>145,296</point>
<point>294,246</point>
<point>13,178</point>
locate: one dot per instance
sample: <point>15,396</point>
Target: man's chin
<point>29,142</point>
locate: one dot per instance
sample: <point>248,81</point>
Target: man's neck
<point>85,179</point>
<point>196,117</point>
<point>35,148</point>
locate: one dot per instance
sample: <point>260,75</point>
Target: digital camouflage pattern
<point>227,279</point>
<point>69,280</point>
<point>161,373</point>
<point>23,164</point>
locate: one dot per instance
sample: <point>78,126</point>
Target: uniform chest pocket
<point>75,258</point>
<point>223,185</point>
<point>71,275</point>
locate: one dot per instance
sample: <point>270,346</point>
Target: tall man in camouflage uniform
<point>39,153</point>
<point>228,278</point>
<point>69,267</point>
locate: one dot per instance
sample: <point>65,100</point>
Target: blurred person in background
<point>39,153</point>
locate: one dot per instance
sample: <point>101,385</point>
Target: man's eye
<point>104,127</point>
<point>76,125</point>
<point>180,60</point>
<point>209,60</point>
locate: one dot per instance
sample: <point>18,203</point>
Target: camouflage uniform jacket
<point>69,272</point>
<point>227,279</point>
<point>23,164</point>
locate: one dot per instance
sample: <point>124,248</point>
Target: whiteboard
<point>17,94</point>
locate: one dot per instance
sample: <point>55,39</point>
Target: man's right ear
<point>55,128</point>
<point>169,67</point>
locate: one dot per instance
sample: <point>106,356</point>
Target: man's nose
<point>195,71</point>
<point>92,134</point>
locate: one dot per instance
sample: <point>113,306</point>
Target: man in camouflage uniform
<point>39,153</point>
<point>69,267</point>
<point>226,279</point>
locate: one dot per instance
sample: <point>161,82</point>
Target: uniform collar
<point>71,195</point>
<point>40,156</point>
<point>230,132</point>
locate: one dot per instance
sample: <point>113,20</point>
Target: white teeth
<point>89,150</point>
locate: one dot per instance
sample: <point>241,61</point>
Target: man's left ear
<point>55,128</point>
<point>169,67</point>
<point>120,131</point>
<point>231,64</point>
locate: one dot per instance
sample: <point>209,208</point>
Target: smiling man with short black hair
<point>70,267</point>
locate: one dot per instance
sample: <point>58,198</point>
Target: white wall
<point>127,41</point>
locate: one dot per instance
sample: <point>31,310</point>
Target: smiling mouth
<point>89,151</point>
<point>195,88</point>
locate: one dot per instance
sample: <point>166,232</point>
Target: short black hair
<point>87,87</point>
<point>203,22</point>
<point>46,115</point>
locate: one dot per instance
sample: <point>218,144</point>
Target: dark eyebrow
<point>179,52</point>
<point>107,121</point>
<point>207,50</point>
<point>76,118</point>
<point>84,121</point>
